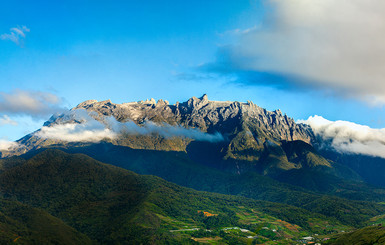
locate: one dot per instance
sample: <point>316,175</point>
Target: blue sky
<point>134,50</point>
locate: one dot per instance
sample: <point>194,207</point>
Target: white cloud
<point>91,131</point>
<point>79,126</point>
<point>6,145</point>
<point>34,103</point>
<point>6,120</point>
<point>238,31</point>
<point>164,130</point>
<point>349,137</point>
<point>332,44</point>
<point>16,34</point>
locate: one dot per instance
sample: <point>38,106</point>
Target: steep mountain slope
<point>364,236</point>
<point>371,169</point>
<point>111,205</point>
<point>22,224</point>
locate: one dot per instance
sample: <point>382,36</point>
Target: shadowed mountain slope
<point>22,224</point>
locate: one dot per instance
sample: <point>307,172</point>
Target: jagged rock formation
<point>208,116</point>
<point>252,134</point>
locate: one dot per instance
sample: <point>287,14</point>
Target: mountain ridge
<point>248,130</point>
<point>247,137</point>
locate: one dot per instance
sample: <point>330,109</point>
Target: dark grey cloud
<point>318,44</point>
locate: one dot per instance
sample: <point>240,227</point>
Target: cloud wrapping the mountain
<point>6,145</point>
<point>334,45</point>
<point>164,130</point>
<point>16,34</point>
<point>349,137</point>
<point>80,126</point>
<point>32,103</point>
<point>90,131</point>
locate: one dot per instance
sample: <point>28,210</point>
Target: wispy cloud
<point>192,76</point>
<point>6,120</point>
<point>238,31</point>
<point>79,126</point>
<point>349,137</point>
<point>16,34</point>
<point>318,44</point>
<point>32,103</point>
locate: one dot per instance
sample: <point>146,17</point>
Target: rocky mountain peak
<point>204,98</point>
<point>278,112</point>
<point>195,103</point>
<point>149,102</point>
<point>86,104</point>
<point>161,102</point>
<point>208,116</point>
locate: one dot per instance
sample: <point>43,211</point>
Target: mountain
<point>232,137</point>
<point>249,132</point>
<point>112,205</point>
<point>230,148</point>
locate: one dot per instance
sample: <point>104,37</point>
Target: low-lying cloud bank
<point>91,131</point>
<point>6,145</point>
<point>349,137</point>
<point>81,127</point>
<point>168,131</point>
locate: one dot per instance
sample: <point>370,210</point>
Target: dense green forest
<point>109,204</point>
<point>352,203</point>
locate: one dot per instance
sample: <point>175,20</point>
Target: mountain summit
<point>208,116</point>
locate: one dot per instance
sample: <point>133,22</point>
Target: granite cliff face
<point>252,136</point>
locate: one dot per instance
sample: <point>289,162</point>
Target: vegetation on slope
<point>110,204</point>
<point>374,235</point>
<point>178,168</point>
<point>22,224</point>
